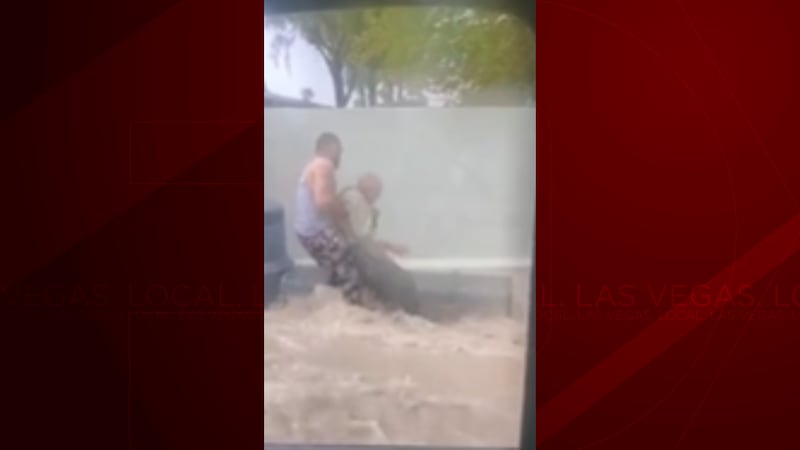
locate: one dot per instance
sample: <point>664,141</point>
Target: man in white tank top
<point>319,212</point>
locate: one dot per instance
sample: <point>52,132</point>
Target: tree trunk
<point>363,95</point>
<point>373,94</point>
<point>342,88</point>
<point>338,85</point>
<point>372,88</point>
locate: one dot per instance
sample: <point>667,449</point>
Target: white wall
<point>458,182</point>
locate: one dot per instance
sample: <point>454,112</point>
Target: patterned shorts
<point>333,254</point>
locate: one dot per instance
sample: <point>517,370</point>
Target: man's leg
<point>315,247</point>
<point>344,273</point>
<point>332,253</point>
<point>348,279</point>
<point>392,284</point>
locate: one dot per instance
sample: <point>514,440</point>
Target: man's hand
<point>395,249</point>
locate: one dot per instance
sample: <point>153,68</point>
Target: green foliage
<point>492,49</point>
<point>452,51</point>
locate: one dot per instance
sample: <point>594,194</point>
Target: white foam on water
<point>337,373</point>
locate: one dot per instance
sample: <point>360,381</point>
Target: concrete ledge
<point>270,446</point>
<point>452,264</point>
<point>445,295</point>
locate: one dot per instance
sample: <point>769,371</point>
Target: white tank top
<point>309,220</point>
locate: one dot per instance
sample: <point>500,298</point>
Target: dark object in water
<point>393,286</point>
<point>276,259</point>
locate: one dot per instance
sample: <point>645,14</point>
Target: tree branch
<point>350,88</point>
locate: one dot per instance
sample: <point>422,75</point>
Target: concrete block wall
<point>459,182</point>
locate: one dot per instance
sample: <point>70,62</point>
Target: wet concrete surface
<point>340,374</point>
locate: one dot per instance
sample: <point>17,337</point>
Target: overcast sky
<point>308,70</point>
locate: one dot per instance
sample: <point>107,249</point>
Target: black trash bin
<point>277,262</point>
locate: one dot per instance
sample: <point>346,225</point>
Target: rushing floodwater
<point>335,373</point>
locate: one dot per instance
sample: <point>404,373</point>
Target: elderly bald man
<point>392,285</point>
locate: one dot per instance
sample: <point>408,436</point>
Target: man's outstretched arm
<point>396,249</point>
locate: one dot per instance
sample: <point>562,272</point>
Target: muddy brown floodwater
<point>339,374</point>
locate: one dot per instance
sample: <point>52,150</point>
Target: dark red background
<point>132,167</point>
<point>131,278</point>
<point>667,149</point>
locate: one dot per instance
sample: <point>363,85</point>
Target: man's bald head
<point>370,186</point>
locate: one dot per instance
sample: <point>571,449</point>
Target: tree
<point>365,50</point>
<point>388,55</point>
<point>332,33</point>
<point>389,50</point>
<point>479,50</point>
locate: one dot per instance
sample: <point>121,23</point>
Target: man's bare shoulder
<point>321,164</point>
<point>320,168</point>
